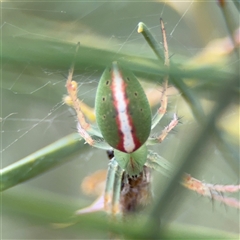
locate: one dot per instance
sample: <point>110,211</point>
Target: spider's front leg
<point>113,188</point>
<point>85,129</point>
<point>163,98</point>
<point>163,56</point>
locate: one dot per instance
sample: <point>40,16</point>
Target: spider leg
<point>158,163</point>
<point>85,129</point>
<point>215,192</point>
<point>164,133</point>
<point>116,208</point>
<point>163,100</point>
<point>113,187</point>
<point>163,107</point>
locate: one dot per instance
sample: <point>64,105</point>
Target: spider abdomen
<point>122,109</point>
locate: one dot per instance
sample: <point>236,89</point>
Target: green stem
<point>156,47</point>
<point>40,161</point>
<point>189,160</point>
<point>188,95</point>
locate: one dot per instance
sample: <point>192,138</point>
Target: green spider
<point>124,123</point>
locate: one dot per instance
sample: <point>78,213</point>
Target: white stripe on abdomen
<point>119,96</point>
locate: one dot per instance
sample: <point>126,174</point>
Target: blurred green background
<point>38,44</point>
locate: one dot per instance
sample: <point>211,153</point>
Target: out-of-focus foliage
<point>38,41</point>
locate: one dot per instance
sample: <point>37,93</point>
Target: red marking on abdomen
<point>128,141</point>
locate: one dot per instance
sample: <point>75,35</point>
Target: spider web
<point>29,109</point>
<point>33,114</point>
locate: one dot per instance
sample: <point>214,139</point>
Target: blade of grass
<point>189,160</point>
<point>208,128</point>
<point>55,55</point>
<point>156,47</point>
<point>57,210</point>
<point>40,161</point>
<point>193,102</point>
<point>237,4</point>
<point>231,21</point>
